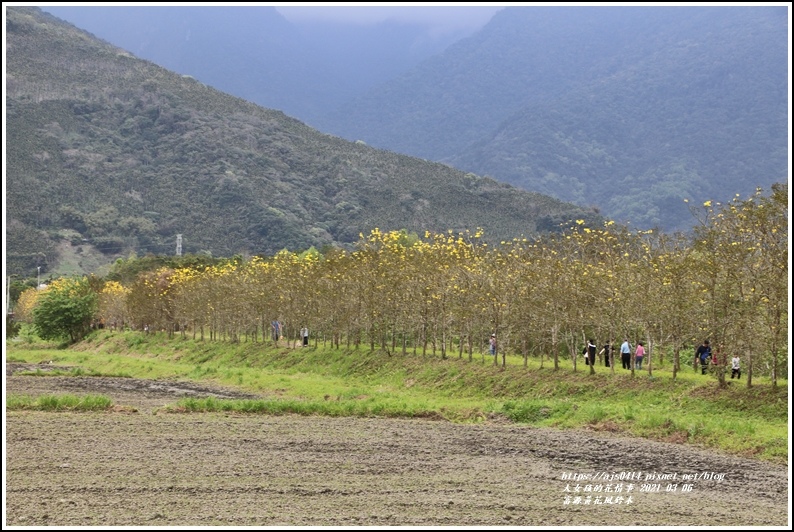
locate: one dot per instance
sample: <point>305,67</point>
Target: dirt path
<point>156,469</point>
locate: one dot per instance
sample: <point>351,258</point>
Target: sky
<point>437,15</point>
<point>452,16</point>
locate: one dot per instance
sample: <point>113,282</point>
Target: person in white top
<point>305,336</point>
<point>736,371</point>
<point>625,354</point>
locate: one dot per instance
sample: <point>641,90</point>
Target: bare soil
<point>139,466</point>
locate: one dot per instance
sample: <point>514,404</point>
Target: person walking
<point>639,354</point>
<point>492,345</point>
<point>590,353</point>
<point>625,353</point>
<point>305,336</point>
<point>703,355</point>
<point>736,371</point>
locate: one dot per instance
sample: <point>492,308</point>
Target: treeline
<point>447,293</point>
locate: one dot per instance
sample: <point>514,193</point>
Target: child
<point>735,370</point>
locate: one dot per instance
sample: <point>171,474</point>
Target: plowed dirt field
<point>149,468</point>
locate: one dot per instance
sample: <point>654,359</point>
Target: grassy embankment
<point>324,381</point>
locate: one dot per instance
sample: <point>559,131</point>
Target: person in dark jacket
<point>703,355</point>
<point>590,353</point>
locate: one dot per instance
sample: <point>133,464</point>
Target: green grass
<point>73,372</point>
<point>84,403</point>
<point>332,408</point>
<point>317,381</point>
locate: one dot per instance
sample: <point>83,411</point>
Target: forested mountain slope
<point>631,109</point>
<point>112,153</point>
<point>628,109</point>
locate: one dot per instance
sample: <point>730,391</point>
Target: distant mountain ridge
<point>631,109</point>
<point>113,154</point>
<point>255,53</point>
<point>627,109</point>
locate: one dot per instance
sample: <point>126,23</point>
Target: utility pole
<point>179,245</point>
<point>8,296</point>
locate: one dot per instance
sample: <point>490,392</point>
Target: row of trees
<point>727,281</point>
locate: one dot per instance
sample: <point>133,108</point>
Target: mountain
<point>626,109</point>
<point>632,109</point>
<point>302,68</point>
<point>113,154</point>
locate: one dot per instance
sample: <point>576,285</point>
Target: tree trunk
<point>632,361</point>
<point>749,368</point>
<point>775,343</point>
<point>719,369</point>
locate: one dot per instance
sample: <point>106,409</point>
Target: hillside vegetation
<point>114,154</point>
<point>631,109</point>
<point>625,109</point>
